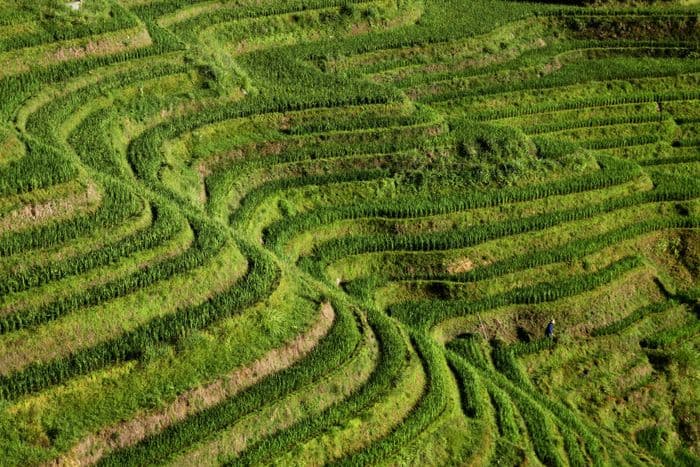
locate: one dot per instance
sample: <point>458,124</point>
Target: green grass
<point>333,232</point>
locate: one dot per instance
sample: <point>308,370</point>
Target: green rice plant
<point>612,143</point>
<point>470,347</point>
<point>568,424</point>
<point>611,14</point>
<point>613,173</point>
<point>155,9</point>
<point>568,51</point>
<point>332,351</point>
<point>44,121</point>
<point>16,89</point>
<point>596,122</point>
<point>505,361</point>
<point>383,379</point>
<point>668,337</point>
<point>143,151</point>
<point>255,197</point>
<point>430,408</point>
<point>620,325</point>
<point>64,28</point>
<point>361,118</point>
<point>208,240</point>
<point>537,345</point>
<point>574,250</point>
<point>540,425</point>
<point>305,161</point>
<point>670,160</point>
<point>505,413</point>
<point>535,417</point>
<point>273,111</point>
<point>41,167</point>
<point>118,204</point>
<point>165,225</point>
<point>591,70</point>
<point>340,144</point>
<point>631,98</point>
<point>335,249</point>
<point>425,314</point>
<point>261,278</point>
<point>474,395</point>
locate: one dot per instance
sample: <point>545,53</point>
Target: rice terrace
<point>349,232</point>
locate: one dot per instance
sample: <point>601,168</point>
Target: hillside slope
<point>303,232</point>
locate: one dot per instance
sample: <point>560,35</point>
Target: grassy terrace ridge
<point>310,232</point>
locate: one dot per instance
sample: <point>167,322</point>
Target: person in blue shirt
<point>550,329</point>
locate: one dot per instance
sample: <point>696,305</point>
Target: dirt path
<point>93,447</point>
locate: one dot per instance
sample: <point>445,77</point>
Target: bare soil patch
<point>32,214</point>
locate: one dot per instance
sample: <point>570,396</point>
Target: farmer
<point>550,329</point>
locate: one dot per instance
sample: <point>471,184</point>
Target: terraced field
<point>305,232</point>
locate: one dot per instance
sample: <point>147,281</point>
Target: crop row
<point>430,408</point>
<point>474,395</point>
<point>166,222</point>
<point>378,141</point>
<point>569,51</point>
<point>425,314</point>
<point>57,30</point>
<point>337,248</point>
<point>16,89</point>
<point>208,240</point>
<point>118,204</point>
<point>336,170</point>
<point>688,143</point>
<point>389,144</point>
<point>41,167</point>
<point>574,74</point>
<point>621,142</point>
<point>366,118</point>
<point>392,349</point>
<point>143,151</point>
<point>261,278</point>
<point>614,172</point>
<point>44,121</point>
<point>330,353</point>
<point>541,428</point>
<point>617,326</point>
<point>668,337</point>
<point>633,98</point>
<point>248,22</point>
<point>595,122</point>
<point>670,160</point>
<point>580,11</point>
<point>253,198</point>
<point>450,20</point>
<point>539,423</point>
<point>518,387</point>
<point>569,423</point>
<point>574,250</point>
<point>460,85</point>
<point>156,9</point>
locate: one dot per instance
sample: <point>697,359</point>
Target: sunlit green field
<point>309,232</point>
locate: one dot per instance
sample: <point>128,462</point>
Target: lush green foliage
<point>334,231</point>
